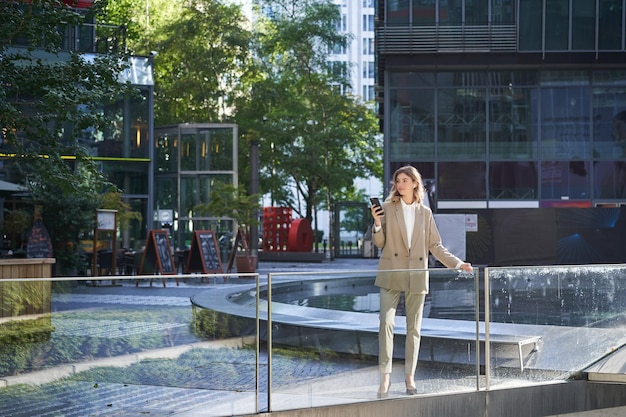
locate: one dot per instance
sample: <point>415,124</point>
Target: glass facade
<point>543,124</point>
<point>513,135</point>
<point>449,12</point>
<point>189,160</point>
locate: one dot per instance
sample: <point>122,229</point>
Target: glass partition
<point>142,346</point>
<point>232,344</point>
<point>325,336</point>
<point>552,322</point>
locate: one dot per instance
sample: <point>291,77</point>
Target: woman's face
<point>404,185</point>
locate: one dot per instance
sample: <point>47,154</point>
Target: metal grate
<point>429,39</point>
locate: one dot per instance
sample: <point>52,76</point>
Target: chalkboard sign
<point>204,255</point>
<point>39,244</point>
<point>157,257</point>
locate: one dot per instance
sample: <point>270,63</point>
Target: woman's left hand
<point>467,267</point>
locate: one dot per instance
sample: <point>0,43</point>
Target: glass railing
<point>234,344</point>
<point>330,322</point>
<point>552,322</point>
<point>144,345</point>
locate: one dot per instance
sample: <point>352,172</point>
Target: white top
<point>409,219</point>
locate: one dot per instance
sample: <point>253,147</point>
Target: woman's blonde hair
<point>413,173</point>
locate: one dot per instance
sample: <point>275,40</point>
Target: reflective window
<point>610,179</point>
<point>130,177</point>
<point>206,149</point>
<point>166,152</point>
<point>125,134</point>
<point>195,189</point>
<point>583,25</point>
<point>609,122</point>
<point>412,124</point>
<point>610,25</point>
<point>513,180</point>
<point>411,79</point>
<point>397,12</point>
<point>564,121</point>
<point>503,12</point>
<point>557,25</point>
<point>565,180</point>
<point>166,196</point>
<point>424,12</point>
<point>530,18</point>
<point>476,12</point>
<point>461,123</point>
<point>511,133</point>
<point>461,181</point>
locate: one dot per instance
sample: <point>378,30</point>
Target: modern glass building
<point>124,149</point>
<point>506,103</point>
<point>189,159</point>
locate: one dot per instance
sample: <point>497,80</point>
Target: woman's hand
<point>377,213</point>
<point>467,267</point>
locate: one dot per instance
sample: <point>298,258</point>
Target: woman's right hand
<point>377,213</point>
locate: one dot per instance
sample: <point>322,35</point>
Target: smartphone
<point>376,202</point>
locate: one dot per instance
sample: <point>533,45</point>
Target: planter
<point>246,263</point>
<point>23,298</point>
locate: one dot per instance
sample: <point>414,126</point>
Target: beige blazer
<point>392,239</point>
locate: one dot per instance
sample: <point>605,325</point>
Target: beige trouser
<point>414,311</point>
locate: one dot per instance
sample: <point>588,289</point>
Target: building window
<point>397,12</point>
<point>583,25</point>
<point>557,25</point>
<point>424,12</point>
<point>530,17</point>
<point>461,123</point>
<point>610,179</point>
<point>368,22</point>
<point>564,116</point>
<point>610,25</point>
<point>513,180</point>
<point>412,124</point>
<point>503,12</point>
<point>368,46</point>
<point>461,181</point>
<point>565,180</point>
<point>368,70</point>
<point>510,112</point>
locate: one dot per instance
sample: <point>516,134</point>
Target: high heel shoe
<point>383,393</point>
<point>411,389</point>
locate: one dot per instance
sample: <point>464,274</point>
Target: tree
<point>51,99</point>
<point>313,138</point>
<point>201,56</point>
<point>69,195</point>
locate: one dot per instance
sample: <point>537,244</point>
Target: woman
<point>405,230</point>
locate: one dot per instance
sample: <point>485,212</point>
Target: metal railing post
<point>269,343</point>
<point>487,337</point>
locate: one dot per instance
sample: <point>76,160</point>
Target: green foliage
<point>112,200</point>
<point>16,224</point>
<point>202,54</point>
<point>18,297</point>
<point>313,138</point>
<point>69,196</point>
<point>49,100</point>
<point>226,200</point>
<point>32,344</point>
<point>210,324</point>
